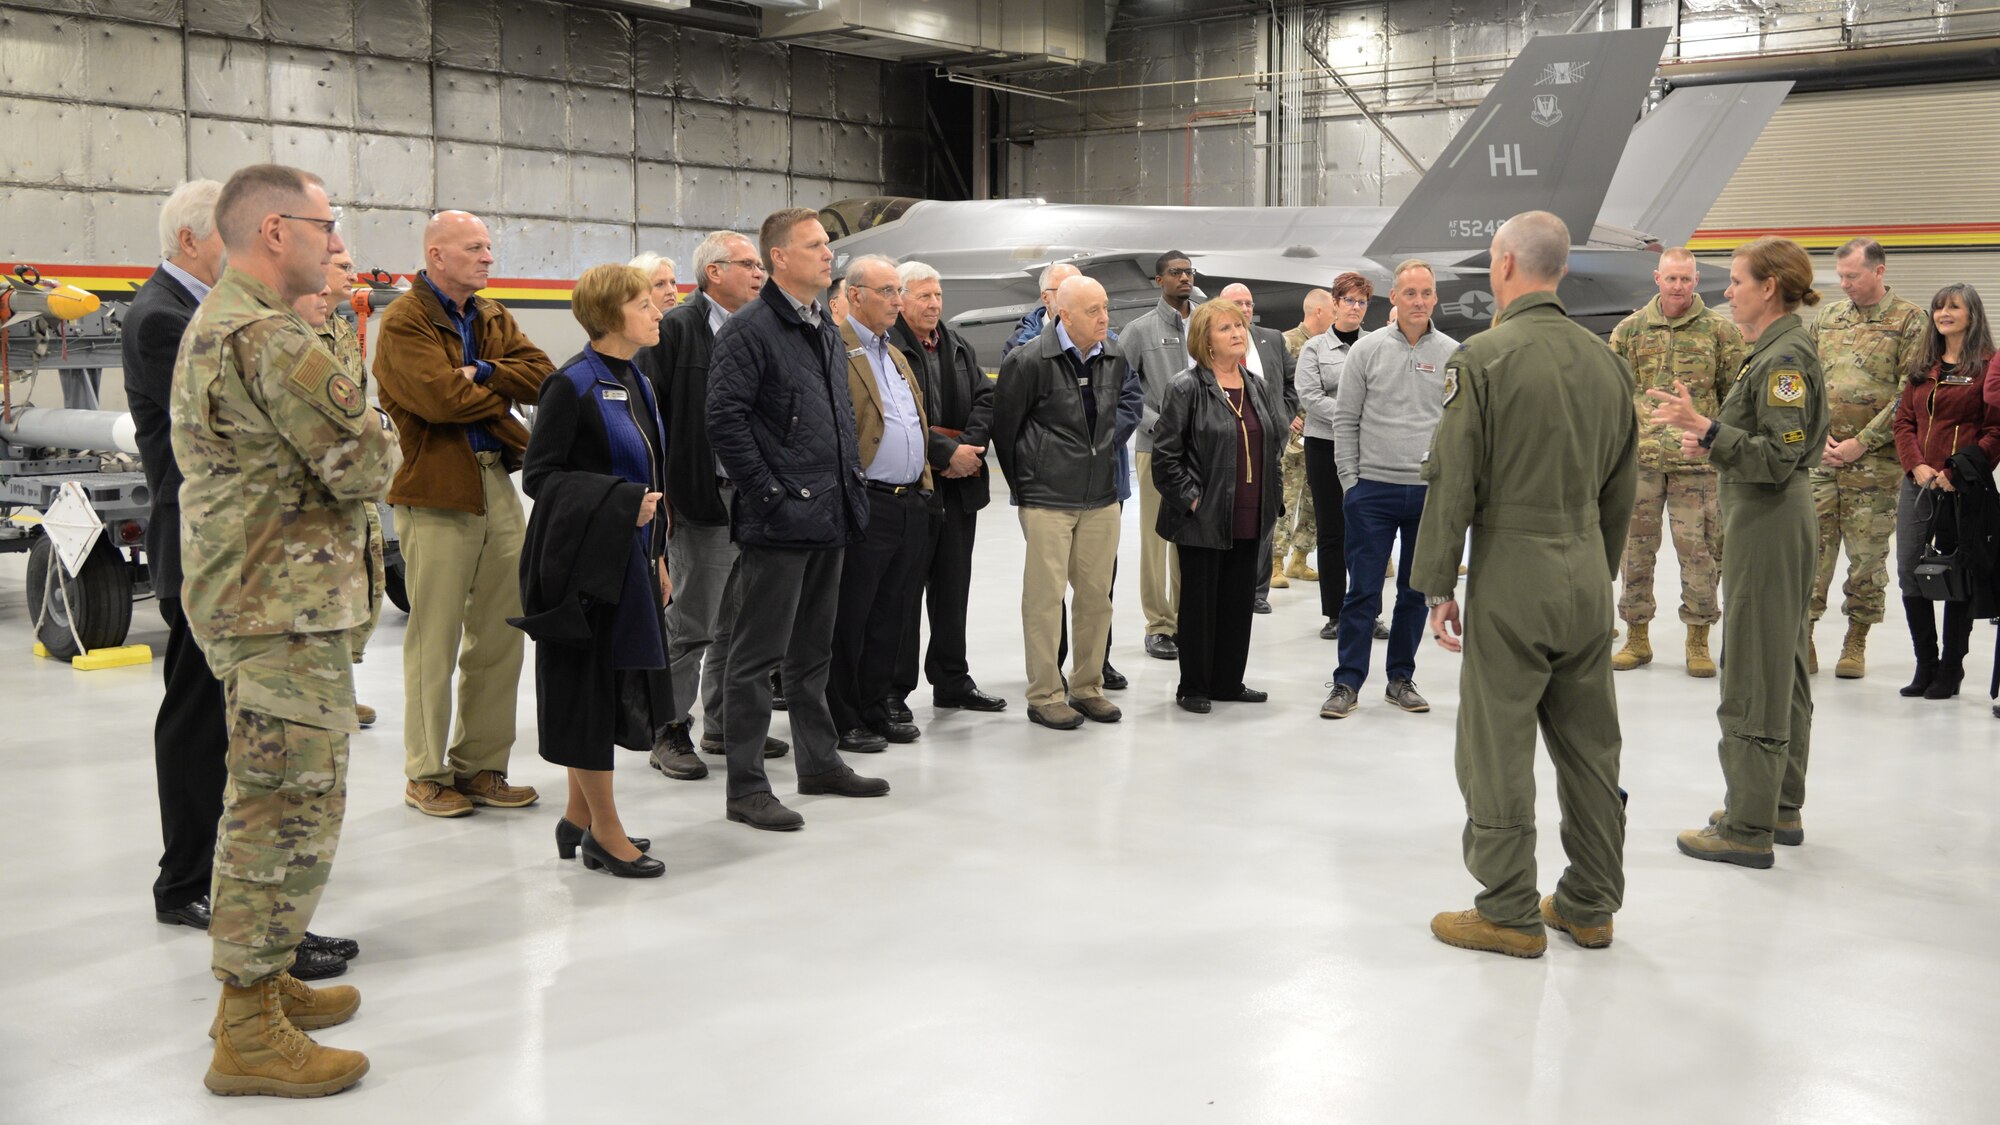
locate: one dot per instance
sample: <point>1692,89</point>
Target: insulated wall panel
<point>226,77</point>
<point>811,192</point>
<point>531,248</point>
<point>857,152</point>
<point>46,143</point>
<point>707,134</point>
<point>905,160</point>
<point>764,140</point>
<point>41,54</point>
<point>675,243</point>
<point>531,38</point>
<point>311,87</point>
<point>658,191</point>
<point>702,67</point>
<point>812,146</point>
<point>124,228</point>
<point>468,177</point>
<point>385,239</point>
<point>763,74</point>
<point>812,83</point>
<point>655,133</point>
<point>393,96</point>
<point>857,90</point>
<point>327,153</point>
<point>600,188</point>
<point>311,23</point>
<point>654,48</point>
<point>466,105</point>
<point>534,182</point>
<point>218,148</point>
<point>58,223</point>
<point>135,149</point>
<point>855,189</point>
<point>707,197</point>
<point>534,114</point>
<point>393,28</point>
<point>595,244</point>
<point>466,33</point>
<point>393,171</point>
<point>757,195</point>
<point>243,19</point>
<point>599,48</point>
<point>600,121</point>
<point>136,66</point>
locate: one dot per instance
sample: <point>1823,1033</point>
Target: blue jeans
<point>1375,514</point>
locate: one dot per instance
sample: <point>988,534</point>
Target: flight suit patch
<point>1793,437</point>
<point>341,391</point>
<point>1450,384</point>
<point>1788,387</point>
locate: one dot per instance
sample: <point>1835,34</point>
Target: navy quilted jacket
<point>782,426</point>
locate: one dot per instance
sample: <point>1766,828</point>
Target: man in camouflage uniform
<point>1866,344</point>
<point>1297,525</point>
<point>1675,337</point>
<point>282,457</point>
<point>322,311</point>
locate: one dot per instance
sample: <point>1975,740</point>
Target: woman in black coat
<point>593,569</point>
<point>1216,449</point>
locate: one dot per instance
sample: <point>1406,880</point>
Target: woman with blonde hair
<point>1766,437</point>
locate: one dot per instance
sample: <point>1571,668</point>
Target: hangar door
<point>1913,167</point>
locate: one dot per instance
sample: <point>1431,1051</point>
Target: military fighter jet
<point>1556,133</point>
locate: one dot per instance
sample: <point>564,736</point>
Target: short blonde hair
<point>1203,322</point>
<point>599,300</point>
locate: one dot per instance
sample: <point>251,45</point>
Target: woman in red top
<point>1943,410</point>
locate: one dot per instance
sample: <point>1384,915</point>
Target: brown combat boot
<point>1853,663</point>
<point>258,1051</point>
<point>1710,844</point>
<point>1298,568</point>
<point>1467,929</point>
<point>307,1007</point>
<point>1589,937</point>
<point>1700,666</point>
<point>1789,831</point>
<point>364,714</point>
<point>1278,581</point>
<point>1812,655</point>
<point>1638,650</point>
<point>489,787</point>
<point>433,799</point>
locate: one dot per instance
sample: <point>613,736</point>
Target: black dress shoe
<point>347,949</point>
<point>1160,646</point>
<point>1195,703</point>
<point>899,733</point>
<point>843,782</point>
<point>777,692</point>
<point>971,699</point>
<point>1260,606</point>
<point>1330,631</point>
<point>899,712</point>
<point>1114,680</point>
<point>568,836</point>
<point>861,740</point>
<point>773,747</point>
<point>762,810</point>
<point>316,964</point>
<point>1245,695</point>
<point>595,858</point>
<point>191,914</point>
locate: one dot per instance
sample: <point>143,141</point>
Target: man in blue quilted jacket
<point>782,427</point>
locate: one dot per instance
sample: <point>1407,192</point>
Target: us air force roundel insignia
<point>1788,387</point>
<point>341,391</point>
<point>1450,384</point>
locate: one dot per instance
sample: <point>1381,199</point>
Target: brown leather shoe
<point>489,787</point>
<point>1589,937</point>
<point>364,714</point>
<point>1467,929</point>
<point>1097,709</point>
<point>307,1007</point>
<point>1055,716</point>
<point>259,1051</point>
<point>433,799</point>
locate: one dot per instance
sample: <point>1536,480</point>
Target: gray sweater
<point>1391,397</point>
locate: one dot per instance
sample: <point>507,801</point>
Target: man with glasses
<point>1155,344</point>
<point>453,367</point>
<point>282,457</point>
<point>700,555</point>
<point>879,576</point>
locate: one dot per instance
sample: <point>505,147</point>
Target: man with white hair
<point>1536,454</point>
<point>958,400</point>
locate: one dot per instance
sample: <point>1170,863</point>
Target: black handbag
<point>1943,575</point>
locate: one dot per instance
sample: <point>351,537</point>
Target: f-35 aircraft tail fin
<point>1548,137</point>
<point>1682,155</point>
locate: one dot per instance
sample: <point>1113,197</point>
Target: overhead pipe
<point>1912,64</point>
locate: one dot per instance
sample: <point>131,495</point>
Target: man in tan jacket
<point>876,581</point>
<point>452,367</point>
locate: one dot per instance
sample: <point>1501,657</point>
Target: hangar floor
<point>1173,919</point>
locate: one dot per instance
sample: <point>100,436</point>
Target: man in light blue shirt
<point>880,573</point>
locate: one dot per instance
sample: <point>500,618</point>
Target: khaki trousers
<point>463,574</point>
<point>1159,565</point>
<point>1068,549</point>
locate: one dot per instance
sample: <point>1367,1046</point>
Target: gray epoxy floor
<point>1173,919</point>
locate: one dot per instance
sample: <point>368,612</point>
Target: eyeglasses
<point>327,225</point>
<point>1354,302</point>
<point>1181,271</point>
<point>751,264</point>
<point>886,292</point>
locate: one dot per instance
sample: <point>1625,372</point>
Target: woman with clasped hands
<point>1216,447</point>
<point>594,572</point>
<point>1769,433</point>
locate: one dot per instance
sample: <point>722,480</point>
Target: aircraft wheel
<point>99,601</point>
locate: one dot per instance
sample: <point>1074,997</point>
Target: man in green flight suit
<point>1866,343</point>
<point>1537,454</point>
<point>282,456</point>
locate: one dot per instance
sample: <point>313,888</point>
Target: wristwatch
<point>1435,600</point>
<point>1708,439</point>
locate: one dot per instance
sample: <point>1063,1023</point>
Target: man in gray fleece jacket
<point>1391,396</point>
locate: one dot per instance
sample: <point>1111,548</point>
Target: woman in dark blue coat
<point>593,569</point>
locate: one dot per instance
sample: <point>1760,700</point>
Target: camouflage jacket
<point>1701,348</point>
<point>282,457</point>
<point>1866,354</point>
<point>339,337</point>
<point>1295,340</point>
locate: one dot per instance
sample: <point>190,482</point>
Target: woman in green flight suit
<point>1769,434</point>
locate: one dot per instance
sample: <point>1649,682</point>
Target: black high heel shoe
<point>595,857</point>
<point>568,836</point>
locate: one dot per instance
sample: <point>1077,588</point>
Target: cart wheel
<point>392,583</point>
<point>99,602</point>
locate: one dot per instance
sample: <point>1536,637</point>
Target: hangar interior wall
<point>581,134</point>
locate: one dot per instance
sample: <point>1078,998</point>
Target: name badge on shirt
<point>614,395</point>
<point>1083,381</point>
<point>852,352</point>
<point>1957,380</point>
<point>1427,368</point>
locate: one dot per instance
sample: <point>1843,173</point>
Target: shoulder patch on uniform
<point>1788,387</point>
<point>317,379</point>
<point>1450,383</point>
<point>1793,437</point>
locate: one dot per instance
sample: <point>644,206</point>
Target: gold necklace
<point>1242,427</point>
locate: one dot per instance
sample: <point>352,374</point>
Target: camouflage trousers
<point>1688,502</point>
<point>290,702</point>
<point>1856,506</point>
<point>378,576</point>
<point>1296,527</point>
